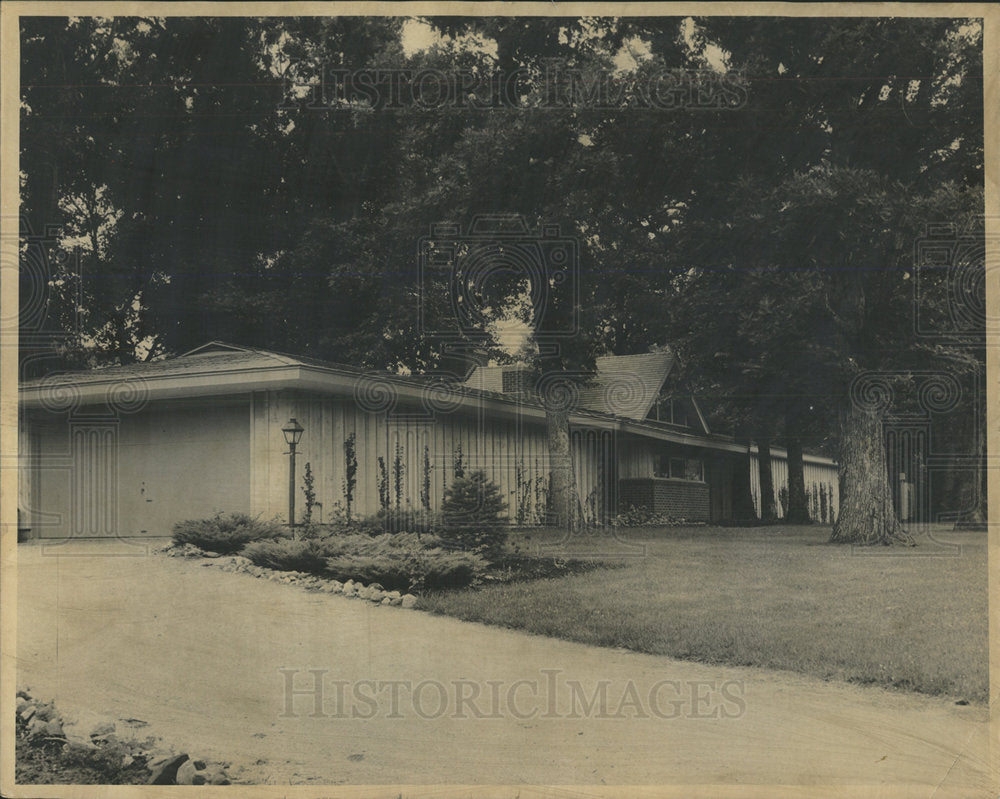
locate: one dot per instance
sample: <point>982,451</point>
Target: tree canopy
<point>746,189</point>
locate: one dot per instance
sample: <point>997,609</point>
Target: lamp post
<point>293,432</point>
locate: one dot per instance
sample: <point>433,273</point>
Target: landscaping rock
<point>408,600</point>
<point>28,713</point>
<point>102,729</point>
<point>395,601</point>
<point>375,595</point>
<point>163,770</point>
<point>82,727</point>
<point>37,727</point>
<point>185,551</point>
<point>393,594</point>
<point>385,601</point>
<point>54,728</point>
<point>84,746</point>
<point>198,772</point>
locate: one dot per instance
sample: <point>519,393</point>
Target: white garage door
<point>139,474</point>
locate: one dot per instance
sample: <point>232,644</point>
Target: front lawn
<point>778,597</point>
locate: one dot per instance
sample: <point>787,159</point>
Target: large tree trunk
<point>867,515</point>
<point>562,483</point>
<point>743,509</point>
<point>798,502</point>
<point>767,512</point>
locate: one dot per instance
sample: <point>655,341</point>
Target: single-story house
<point>130,450</point>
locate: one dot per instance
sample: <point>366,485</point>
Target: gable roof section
<point>622,385</point>
<point>701,417</point>
<point>213,348</point>
<point>627,385</point>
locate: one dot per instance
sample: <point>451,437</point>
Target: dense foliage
<point>408,569</point>
<point>403,561</point>
<point>470,514</point>
<point>225,534</point>
<point>205,190</point>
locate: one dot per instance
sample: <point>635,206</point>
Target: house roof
<point>196,362</point>
<point>622,385</point>
<point>627,385</point>
<point>214,358</point>
<point>623,388</point>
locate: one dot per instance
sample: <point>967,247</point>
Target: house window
<point>691,469</point>
<point>673,411</point>
<point>694,469</point>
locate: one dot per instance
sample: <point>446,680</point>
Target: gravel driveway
<point>207,657</point>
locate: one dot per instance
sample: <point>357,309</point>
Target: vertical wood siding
<point>636,457</point>
<point>512,451</point>
<point>816,475</point>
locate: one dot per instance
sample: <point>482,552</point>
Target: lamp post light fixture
<point>293,433</point>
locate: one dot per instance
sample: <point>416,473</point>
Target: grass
<point>778,597</point>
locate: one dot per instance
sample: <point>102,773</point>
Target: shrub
<point>407,569</point>
<point>309,489</point>
<point>400,520</point>
<point>225,534</point>
<point>470,511</point>
<point>403,561</point>
<point>304,554</point>
<point>355,542</point>
<point>338,524</point>
<point>301,555</point>
<point>640,517</point>
<point>350,472</point>
<point>392,541</point>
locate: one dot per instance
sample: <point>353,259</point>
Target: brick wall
<point>678,498</point>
